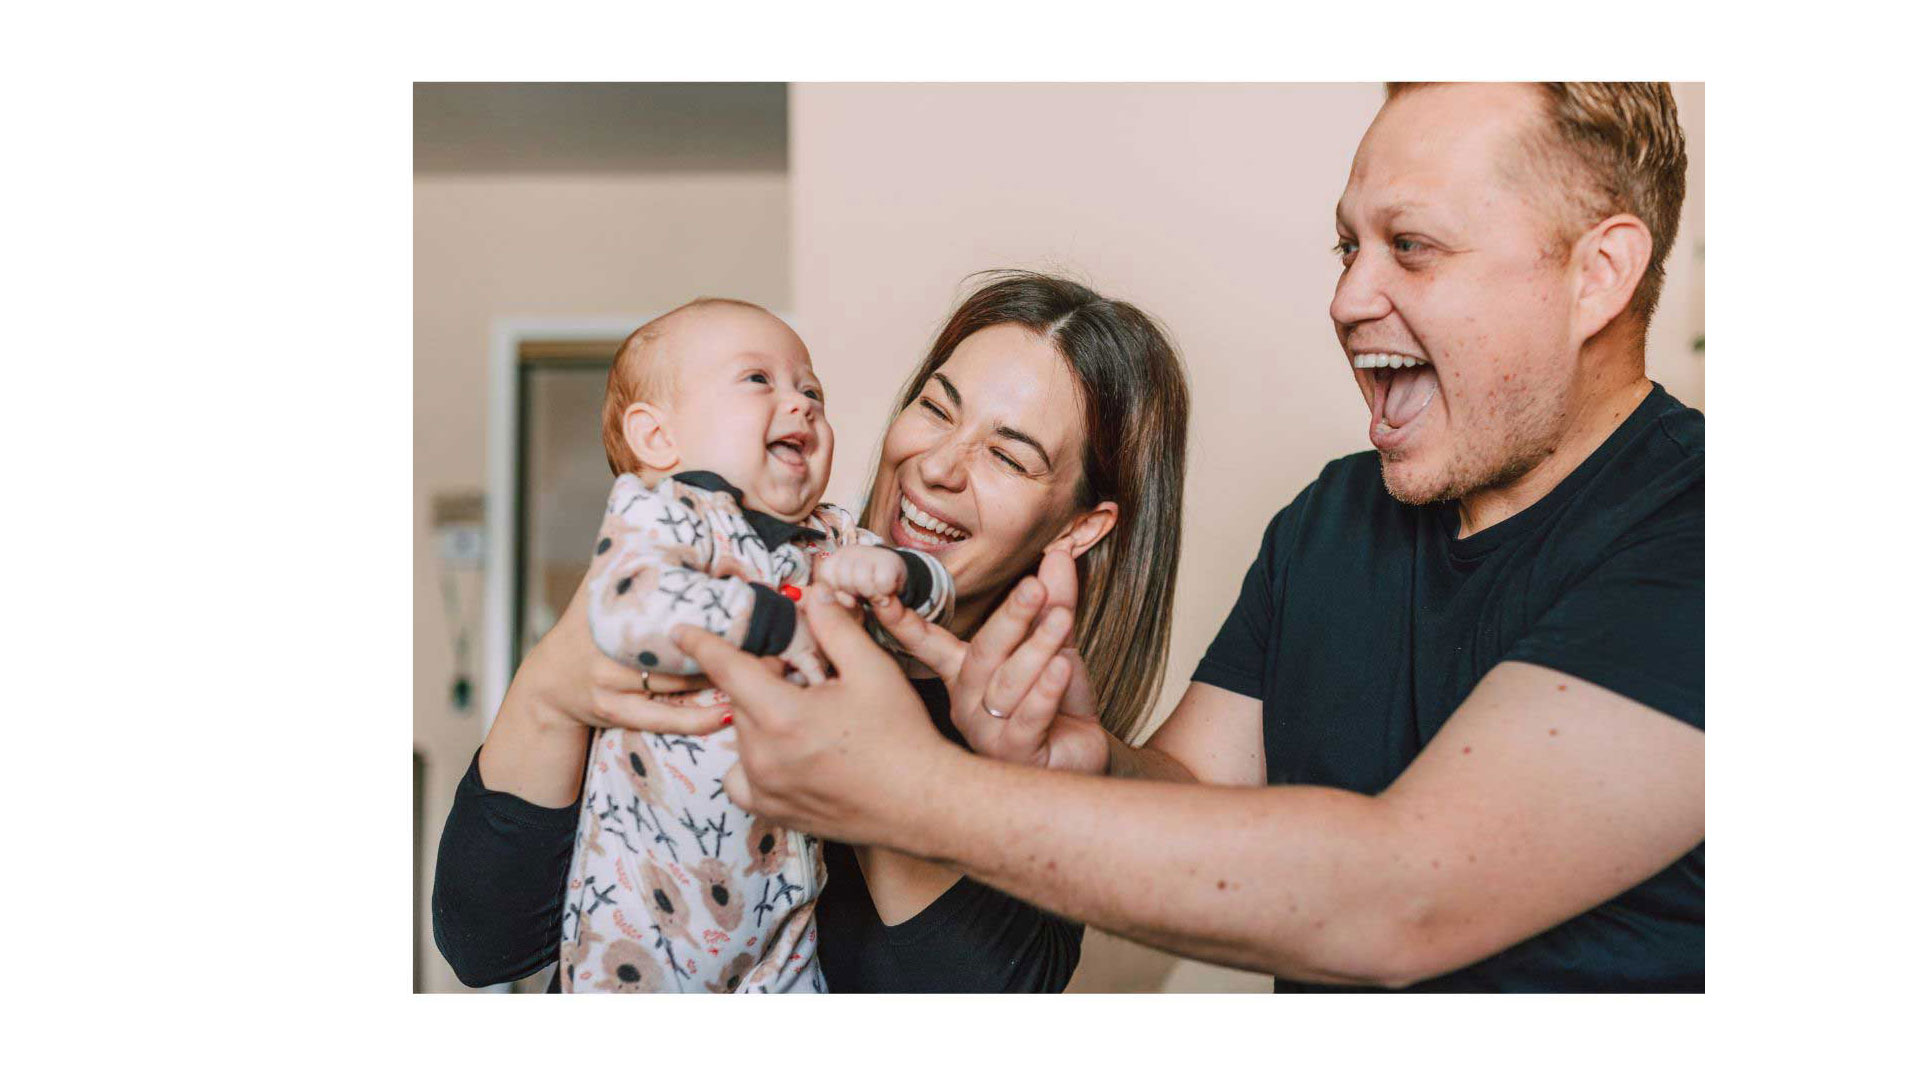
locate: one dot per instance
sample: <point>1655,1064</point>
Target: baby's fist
<point>865,571</point>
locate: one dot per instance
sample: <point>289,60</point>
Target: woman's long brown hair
<point>1135,393</point>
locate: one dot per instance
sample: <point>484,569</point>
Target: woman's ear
<point>1089,528</point>
<point>645,428</point>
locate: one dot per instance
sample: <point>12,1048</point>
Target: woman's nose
<point>945,465</point>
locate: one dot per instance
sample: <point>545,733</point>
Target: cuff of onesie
<point>919,587</point>
<point>770,627</point>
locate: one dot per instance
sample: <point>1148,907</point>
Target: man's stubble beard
<point>1530,433</point>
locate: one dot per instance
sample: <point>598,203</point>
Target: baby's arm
<point>651,572</point>
<point>870,570</point>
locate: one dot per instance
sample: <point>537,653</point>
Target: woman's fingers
<point>1028,725</point>
<point>611,675</point>
<point>637,713</point>
<point>1009,684</point>
<point>743,676</point>
<point>931,645</point>
<point>1058,575</point>
<point>1080,699</point>
<point>1007,627</point>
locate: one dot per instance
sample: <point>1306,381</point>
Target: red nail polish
<point>791,592</point>
<point>727,719</point>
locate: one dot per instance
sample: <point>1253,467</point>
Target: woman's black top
<point>500,882</point>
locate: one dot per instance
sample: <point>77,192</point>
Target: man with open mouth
<point>1452,735</point>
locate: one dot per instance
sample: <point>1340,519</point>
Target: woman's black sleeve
<point>500,882</point>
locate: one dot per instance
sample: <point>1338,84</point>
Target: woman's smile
<point>917,527</point>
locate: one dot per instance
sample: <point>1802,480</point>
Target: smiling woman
<point>1044,416</point>
<point>1043,413</point>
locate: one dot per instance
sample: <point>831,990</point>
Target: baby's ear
<point>648,436</point>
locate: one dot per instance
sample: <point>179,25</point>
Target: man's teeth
<point>927,522</point>
<point>1385,360</point>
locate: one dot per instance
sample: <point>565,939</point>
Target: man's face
<point>1453,307</point>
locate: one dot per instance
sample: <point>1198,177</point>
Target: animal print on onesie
<point>672,887</point>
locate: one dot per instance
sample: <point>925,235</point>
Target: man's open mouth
<point>1403,387</point>
<point>924,530</point>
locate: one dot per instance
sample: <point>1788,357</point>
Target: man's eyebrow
<point>1020,436</point>
<point>951,392</point>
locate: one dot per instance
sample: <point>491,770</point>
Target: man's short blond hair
<point>639,375</point>
<point>1610,148</point>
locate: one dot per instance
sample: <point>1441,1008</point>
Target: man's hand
<point>1017,691</point>
<point>846,759</point>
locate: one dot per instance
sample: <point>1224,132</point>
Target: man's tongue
<point>1408,393</point>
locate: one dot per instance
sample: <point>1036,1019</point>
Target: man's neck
<point>1599,416</point>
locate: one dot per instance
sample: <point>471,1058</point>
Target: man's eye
<point>1346,250</point>
<point>1406,245</point>
<point>936,410</point>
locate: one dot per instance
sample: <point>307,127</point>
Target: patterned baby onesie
<point>672,887</point>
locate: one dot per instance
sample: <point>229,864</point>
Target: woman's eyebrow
<point>948,386</point>
<point>1020,436</point>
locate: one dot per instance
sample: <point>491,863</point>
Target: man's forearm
<point>1302,882</point>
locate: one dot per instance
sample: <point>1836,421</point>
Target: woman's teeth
<point>933,527</point>
<point>1385,360</point>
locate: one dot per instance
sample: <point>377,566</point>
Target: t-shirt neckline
<point>1487,540</point>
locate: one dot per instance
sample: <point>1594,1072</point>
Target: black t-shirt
<point>973,939</point>
<point>1364,623</point>
<point>500,884</point>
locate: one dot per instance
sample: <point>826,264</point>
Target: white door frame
<point>503,440</point>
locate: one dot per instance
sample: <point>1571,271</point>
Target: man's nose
<point>1360,295</point>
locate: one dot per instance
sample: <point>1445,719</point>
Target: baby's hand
<point>865,571</point>
<point>802,656</point>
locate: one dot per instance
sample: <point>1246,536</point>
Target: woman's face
<point>982,468</point>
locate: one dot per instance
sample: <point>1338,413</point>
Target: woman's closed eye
<point>931,406</point>
<point>1008,460</point>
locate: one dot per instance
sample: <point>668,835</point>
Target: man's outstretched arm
<point>1540,798</point>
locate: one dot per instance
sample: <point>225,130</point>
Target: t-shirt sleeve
<point>1636,624</point>
<point>499,884</point>
<point>1237,658</point>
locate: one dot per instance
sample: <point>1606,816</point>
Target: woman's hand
<point>1018,692</point>
<point>537,746</point>
<point>573,682</point>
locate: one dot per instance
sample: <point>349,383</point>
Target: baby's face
<point>747,406</point>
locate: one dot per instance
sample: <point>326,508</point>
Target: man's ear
<point>645,428</point>
<point>1609,262</point>
<point>1089,528</point>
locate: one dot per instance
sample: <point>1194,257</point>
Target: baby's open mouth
<point>790,451</point>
